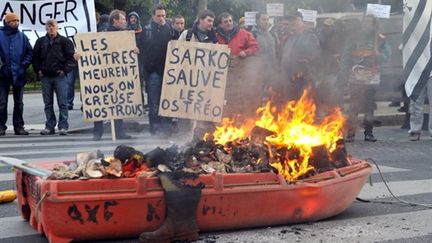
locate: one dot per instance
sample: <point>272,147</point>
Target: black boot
<point>370,138</point>
<point>181,213</point>
<point>368,135</point>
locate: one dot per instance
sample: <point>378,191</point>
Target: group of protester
<point>52,58</point>
<point>294,56</point>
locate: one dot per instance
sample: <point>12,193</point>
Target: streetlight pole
<point>202,4</point>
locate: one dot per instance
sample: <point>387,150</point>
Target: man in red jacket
<point>240,41</point>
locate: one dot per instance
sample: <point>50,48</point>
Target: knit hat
<point>10,17</point>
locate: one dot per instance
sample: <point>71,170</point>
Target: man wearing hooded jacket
<point>15,57</point>
<point>134,23</point>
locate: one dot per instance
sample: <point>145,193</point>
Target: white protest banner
<point>73,16</point>
<point>275,9</point>
<point>194,80</point>
<point>250,19</point>
<point>379,10</point>
<point>308,15</point>
<point>109,75</point>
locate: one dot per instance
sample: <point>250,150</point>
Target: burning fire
<point>293,127</point>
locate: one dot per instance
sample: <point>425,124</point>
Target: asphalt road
<point>406,166</point>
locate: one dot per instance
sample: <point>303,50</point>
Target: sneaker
<point>414,136</point>
<point>63,132</point>
<point>370,138</point>
<point>20,131</point>
<point>2,132</point>
<point>47,131</point>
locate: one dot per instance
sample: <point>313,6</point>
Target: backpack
<point>189,34</point>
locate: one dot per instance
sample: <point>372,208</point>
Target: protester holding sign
<point>158,34</point>
<point>361,59</point>
<point>202,31</point>
<point>117,20</point>
<point>15,57</point>
<point>52,60</point>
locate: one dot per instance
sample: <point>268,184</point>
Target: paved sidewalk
<point>34,115</point>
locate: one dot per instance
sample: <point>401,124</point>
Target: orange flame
<point>295,126</point>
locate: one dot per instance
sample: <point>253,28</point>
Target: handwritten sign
<point>308,15</point>
<point>73,16</point>
<point>275,9</point>
<point>250,18</point>
<point>109,75</point>
<point>379,10</point>
<point>194,81</point>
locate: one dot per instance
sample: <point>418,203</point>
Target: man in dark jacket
<point>158,34</point>
<point>52,60</point>
<point>15,57</point>
<point>134,23</point>
<point>299,56</point>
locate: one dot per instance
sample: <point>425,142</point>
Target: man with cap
<point>15,57</point>
<point>299,55</point>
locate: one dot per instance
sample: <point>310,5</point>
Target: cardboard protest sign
<point>109,75</point>
<point>379,10</point>
<point>308,15</point>
<point>250,18</point>
<point>73,16</point>
<point>194,81</point>
<point>275,9</point>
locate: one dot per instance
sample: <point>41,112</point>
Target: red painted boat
<point>120,208</point>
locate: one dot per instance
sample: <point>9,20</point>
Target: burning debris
<point>290,141</point>
<point>92,165</point>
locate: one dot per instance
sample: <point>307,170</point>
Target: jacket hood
<point>136,26</point>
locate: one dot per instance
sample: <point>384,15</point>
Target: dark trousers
<point>154,89</point>
<point>58,86</point>
<point>17,117</point>
<point>118,126</point>
<point>71,78</point>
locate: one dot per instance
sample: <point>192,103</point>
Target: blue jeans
<point>71,78</point>
<point>154,89</point>
<point>57,85</point>
<point>17,117</point>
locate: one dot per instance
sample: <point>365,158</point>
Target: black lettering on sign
<point>92,212</point>
<point>70,9</point>
<point>206,209</point>
<point>174,52</point>
<point>199,54</point>
<point>75,214</point>
<point>107,214</point>
<point>151,211</point>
